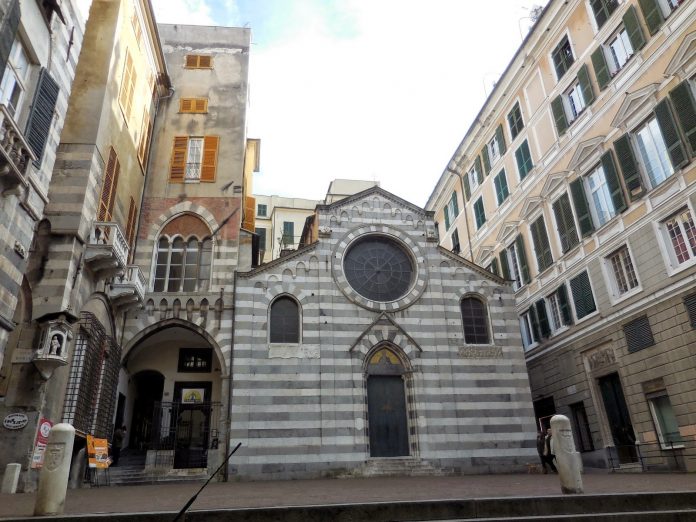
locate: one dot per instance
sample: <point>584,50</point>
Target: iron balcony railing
<point>15,153</point>
<point>670,454</point>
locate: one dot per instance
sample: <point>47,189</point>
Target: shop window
<point>665,420</point>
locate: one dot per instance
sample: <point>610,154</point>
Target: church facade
<point>373,342</point>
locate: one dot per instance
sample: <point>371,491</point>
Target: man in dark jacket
<point>116,444</point>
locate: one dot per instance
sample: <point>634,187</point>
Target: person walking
<point>541,442</point>
<point>548,451</point>
<point>116,444</point>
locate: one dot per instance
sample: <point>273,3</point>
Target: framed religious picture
<point>192,395</point>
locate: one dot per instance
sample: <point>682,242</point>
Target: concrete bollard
<point>53,479</point>
<point>11,478</point>
<point>568,460</point>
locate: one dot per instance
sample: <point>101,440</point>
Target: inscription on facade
<point>471,352</point>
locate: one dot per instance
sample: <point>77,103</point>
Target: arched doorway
<point>175,391</point>
<point>386,405</point>
<point>149,386</point>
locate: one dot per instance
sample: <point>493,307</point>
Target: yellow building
<point>576,182</point>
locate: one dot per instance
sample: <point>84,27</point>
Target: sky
<point>379,90</point>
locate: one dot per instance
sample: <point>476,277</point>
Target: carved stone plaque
<point>601,358</point>
<point>483,352</point>
<point>54,456</point>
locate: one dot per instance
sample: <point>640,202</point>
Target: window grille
<point>690,304</point>
<point>91,391</point>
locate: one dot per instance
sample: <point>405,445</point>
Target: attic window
<point>199,61</point>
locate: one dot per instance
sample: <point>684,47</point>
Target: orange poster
<point>98,452</point>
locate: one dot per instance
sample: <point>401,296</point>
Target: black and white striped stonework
<point>301,410</point>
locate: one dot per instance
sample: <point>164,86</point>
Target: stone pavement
<point>171,497</point>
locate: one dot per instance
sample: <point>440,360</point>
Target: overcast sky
<point>365,89</point>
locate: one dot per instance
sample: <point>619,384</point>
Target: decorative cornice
<point>272,264</point>
<point>473,266</point>
<point>586,152</point>
<point>383,316</point>
<point>634,104</point>
<point>684,60</point>
<point>380,191</point>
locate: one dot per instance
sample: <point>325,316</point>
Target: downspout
<point>466,215</point>
<point>230,373</point>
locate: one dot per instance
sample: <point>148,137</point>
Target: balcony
<point>15,153</point>
<point>107,250</point>
<point>128,290</point>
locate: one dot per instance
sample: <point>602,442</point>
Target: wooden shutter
<point>193,105</point>
<point>559,115</point>
<point>522,256</point>
<point>542,316</point>
<point>504,265</point>
<point>683,99</point>
<point>582,209</point>
<point>494,267</point>
<point>629,167</point>
<point>185,104</point>
<point>540,239</point>
<point>467,188</point>
<point>582,295</point>
<point>633,28</point>
<point>479,170</point>
<point>130,224</point>
<point>670,133</point>
<point>564,305</point>
<point>205,62</point>
<point>613,182</point>
<point>210,152</point>
<point>447,218</point>
<point>127,87</point>
<point>586,84</point>
<point>652,14</point>
<point>536,334</point>
<point>200,105</point>
<point>690,305</point>
<point>565,222</point>
<point>638,334</point>
<point>601,69</point>
<point>455,204</point>
<point>41,114</point>
<point>145,136</point>
<point>479,212</point>
<point>8,33</point>
<point>486,160</point>
<point>108,192</point>
<point>177,167</point>
<point>191,60</point>
<point>500,138</point>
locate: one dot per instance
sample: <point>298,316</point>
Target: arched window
<point>183,265</point>
<point>285,321</point>
<point>475,319</point>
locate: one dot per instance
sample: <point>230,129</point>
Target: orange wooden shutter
<point>145,134</point>
<point>178,163</point>
<point>205,61</point>
<point>191,60</point>
<point>108,193</point>
<point>200,105</point>
<point>210,150</point>
<point>124,95</point>
<point>130,226</point>
<point>185,104</point>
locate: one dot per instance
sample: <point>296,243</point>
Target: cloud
<point>193,12</point>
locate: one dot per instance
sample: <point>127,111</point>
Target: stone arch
<point>98,304</point>
<point>184,207</point>
<point>166,323</point>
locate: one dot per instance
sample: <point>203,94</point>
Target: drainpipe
<point>466,215</point>
<point>230,374</point>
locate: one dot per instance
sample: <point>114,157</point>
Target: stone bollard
<point>11,478</point>
<point>568,460</point>
<point>53,479</point>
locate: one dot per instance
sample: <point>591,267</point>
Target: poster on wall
<point>192,395</point>
<point>97,452</point>
<point>37,457</point>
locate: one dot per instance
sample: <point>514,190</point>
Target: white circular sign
<point>45,429</point>
<point>15,421</point>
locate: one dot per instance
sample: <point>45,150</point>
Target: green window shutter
<point>582,295</point>
<point>501,187</point>
<point>633,28</point>
<point>41,115</point>
<point>504,265</point>
<point>670,133</point>
<point>479,213</point>
<point>540,240</point>
<point>629,167</point>
<point>613,182</point>
<point>542,316</point>
<point>455,205</point>
<point>500,138</point>
<point>582,209</point>
<point>524,160</point>
<point>559,115</point>
<point>652,14</point>
<point>564,305</point>
<point>567,232</point>
<point>467,188</point>
<point>684,105</point>
<point>586,84</point>
<point>486,160</point>
<point>447,218</point>
<point>493,267</point>
<point>479,170</point>
<point>536,333</point>
<point>522,256</point>
<point>601,69</point>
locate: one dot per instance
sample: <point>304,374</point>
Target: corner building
<point>577,181</point>
<point>373,342</point>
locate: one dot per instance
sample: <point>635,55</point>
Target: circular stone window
<point>378,268</point>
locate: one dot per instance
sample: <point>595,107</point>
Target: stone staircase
<point>394,467</point>
<point>131,472</point>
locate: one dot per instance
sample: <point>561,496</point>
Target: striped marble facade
<point>301,410</point>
